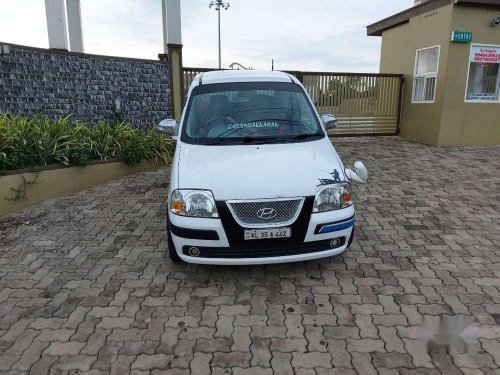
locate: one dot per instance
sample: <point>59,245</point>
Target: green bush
<point>39,141</point>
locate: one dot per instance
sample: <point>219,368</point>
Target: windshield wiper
<point>245,140</point>
<point>259,139</point>
<point>263,140</point>
<point>221,141</point>
<point>305,136</point>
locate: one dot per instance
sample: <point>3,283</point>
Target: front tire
<point>171,247</point>
<point>350,239</point>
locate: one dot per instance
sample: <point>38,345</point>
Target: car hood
<point>259,171</point>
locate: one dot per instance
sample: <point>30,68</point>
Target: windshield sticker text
<point>254,125</point>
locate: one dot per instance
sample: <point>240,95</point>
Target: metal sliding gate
<point>364,103</point>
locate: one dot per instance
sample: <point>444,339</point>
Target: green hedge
<point>39,141</point>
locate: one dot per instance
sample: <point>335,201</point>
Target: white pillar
<point>171,15</point>
<point>172,46</point>
<point>56,24</point>
<point>164,25</point>
<point>75,25</point>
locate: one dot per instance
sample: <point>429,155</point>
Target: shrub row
<point>40,141</point>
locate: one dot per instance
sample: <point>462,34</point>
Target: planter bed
<point>52,181</point>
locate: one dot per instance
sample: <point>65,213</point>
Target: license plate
<point>264,234</point>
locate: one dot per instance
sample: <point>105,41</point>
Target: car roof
<point>228,76</point>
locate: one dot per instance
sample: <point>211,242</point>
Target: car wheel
<point>350,239</point>
<point>171,247</point>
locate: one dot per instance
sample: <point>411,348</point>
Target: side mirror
<point>330,121</point>
<point>359,174</point>
<point>168,126</point>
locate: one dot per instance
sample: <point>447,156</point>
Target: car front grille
<point>265,213</point>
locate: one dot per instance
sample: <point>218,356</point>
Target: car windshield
<point>251,112</point>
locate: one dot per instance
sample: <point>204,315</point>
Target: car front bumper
<point>221,240</point>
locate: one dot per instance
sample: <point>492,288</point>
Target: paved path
<point>85,284</point>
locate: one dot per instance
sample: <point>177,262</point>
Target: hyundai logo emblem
<point>267,213</point>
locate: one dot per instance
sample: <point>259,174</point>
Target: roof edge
<point>377,28</point>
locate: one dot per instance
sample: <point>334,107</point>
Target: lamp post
<point>218,4</point>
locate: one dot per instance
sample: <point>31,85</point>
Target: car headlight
<point>194,203</point>
<point>333,197</point>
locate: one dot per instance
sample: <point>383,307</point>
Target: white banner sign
<point>485,54</point>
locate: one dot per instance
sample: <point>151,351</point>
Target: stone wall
<point>60,83</point>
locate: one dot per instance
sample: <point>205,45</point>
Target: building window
<point>425,75</point>
<point>483,81</point>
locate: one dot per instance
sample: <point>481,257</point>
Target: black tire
<point>171,247</point>
<point>350,239</point>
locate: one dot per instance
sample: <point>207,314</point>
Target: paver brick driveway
<point>85,285</point>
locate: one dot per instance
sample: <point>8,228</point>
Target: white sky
<point>327,35</point>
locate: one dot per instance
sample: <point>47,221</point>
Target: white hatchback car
<point>255,178</point>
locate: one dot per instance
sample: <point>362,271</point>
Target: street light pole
<point>218,4</point>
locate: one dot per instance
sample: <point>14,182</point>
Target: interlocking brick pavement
<point>85,286</point>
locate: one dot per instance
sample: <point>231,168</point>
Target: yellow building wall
<point>467,123</point>
<point>419,121</point>
<point>449,120</point>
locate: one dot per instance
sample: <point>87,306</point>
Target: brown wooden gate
<point>364,103</point>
